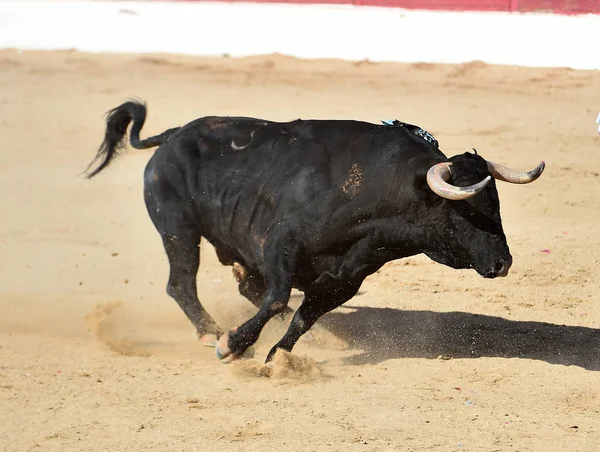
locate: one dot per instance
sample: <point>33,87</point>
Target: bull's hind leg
<point>181,240</point>
<point>184,259</point>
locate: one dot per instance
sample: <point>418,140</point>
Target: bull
<point>316,205</point>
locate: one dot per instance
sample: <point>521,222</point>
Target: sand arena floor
<point>95,356</point>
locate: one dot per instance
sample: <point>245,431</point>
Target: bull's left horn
<point>437,178</point>
<point>512,176</point>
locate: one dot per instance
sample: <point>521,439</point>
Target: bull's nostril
<point>504,267</point>
<point>499,268</point>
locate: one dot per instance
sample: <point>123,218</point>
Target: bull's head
<point>471,235</point>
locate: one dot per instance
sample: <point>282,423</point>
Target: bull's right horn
<point>437,178</point>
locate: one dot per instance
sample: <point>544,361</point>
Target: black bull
<point>315,205</point>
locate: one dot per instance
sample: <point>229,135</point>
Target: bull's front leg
<point>281,257</point>
<point>317,301</point>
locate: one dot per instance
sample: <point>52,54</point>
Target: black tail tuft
<point>117,121</point>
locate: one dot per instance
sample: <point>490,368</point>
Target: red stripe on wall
<point>544,6</point>
<point>447,5</point>
<point>560,6</point>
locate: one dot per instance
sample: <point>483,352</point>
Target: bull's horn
<point>437,178</point>
<point>505,174</point>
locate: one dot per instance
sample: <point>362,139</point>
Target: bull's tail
<point>117,121</point>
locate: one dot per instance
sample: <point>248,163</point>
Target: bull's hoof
<point>224,352</point>
<point>222,349</point>
<point>207,340</point>
<point>239,273</point>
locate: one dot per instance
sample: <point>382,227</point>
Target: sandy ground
<point>95,356</point>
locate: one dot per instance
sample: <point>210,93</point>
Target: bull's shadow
<point>384,333</point>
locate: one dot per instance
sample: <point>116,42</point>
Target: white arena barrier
<point>304,31</point>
